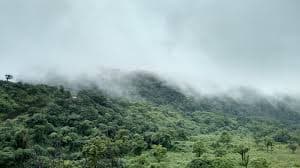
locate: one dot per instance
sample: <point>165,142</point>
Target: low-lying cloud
<point>209,44</point>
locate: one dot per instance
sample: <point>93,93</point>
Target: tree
<point>243,150</point>
<point>219,152</point>
<point>21,138</point>
<point>56,139</point>
<point>6,158</point>
<point>282,136</point>
<point>101,152</point>
<point>8,77</point>
<point>138,144</point>
<point>225,138</point>
<point>259,163</point>
<point>201,163</point>
<point>269,144</point>
<point>159,152</point>
<point>223,163</point>
<point>84,127</point>
<point>141,160</point>
<point>162,138</point>
<point>257,140</point>
<point>22,155</point>
<point>293,147</point>
<point>199,148</point>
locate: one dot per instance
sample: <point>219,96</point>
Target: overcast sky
<point>208,43</point>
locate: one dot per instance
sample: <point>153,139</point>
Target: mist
<point>208,44</point>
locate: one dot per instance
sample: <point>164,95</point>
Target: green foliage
<point>22,138</point>
<point>201,163</point>
<point>223,163</point>
<point>269,143</point>
<point>6,158</point>
<point>101,152</point>
<point>219,152</point>
<point>243,151</point>
<point>139,162</point>
<point>282,136</point>
<point>161,138</point>
<point>225,138</point>
<point>138,144</point>
<point>199,148</point>
<point>293,147</point>
<point>47,126</point>
<point>159,152</point>
<point>259,163</point>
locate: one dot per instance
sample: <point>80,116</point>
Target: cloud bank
<point>209,44</point>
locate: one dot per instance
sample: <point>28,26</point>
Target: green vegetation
<point>243,151</point>
<point>199,148</point>
<point>49,127</point>
<point>159,152</point>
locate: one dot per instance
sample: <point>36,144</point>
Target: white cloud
<point>205,43</point>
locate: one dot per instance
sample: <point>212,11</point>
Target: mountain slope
<point>249,103</point>
<point>47,126</point>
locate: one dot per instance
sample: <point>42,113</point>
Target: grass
<point>280,157</point>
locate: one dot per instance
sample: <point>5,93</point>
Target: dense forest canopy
<point>154,125</point>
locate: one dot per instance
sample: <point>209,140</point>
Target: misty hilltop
<point>43,125</point>
<point>153,88</point>
<point>205,43</point>
<point>149,84</point>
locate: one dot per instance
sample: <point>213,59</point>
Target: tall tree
<point>8,77</point>
<point>243,150</point>
<point>199,148</point>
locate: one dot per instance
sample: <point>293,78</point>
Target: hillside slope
<point>47,126</point>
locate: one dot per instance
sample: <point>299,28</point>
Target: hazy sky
<point>208,43</point>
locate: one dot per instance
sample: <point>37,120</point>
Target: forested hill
<point>249,103</point>
<point>47,126</point>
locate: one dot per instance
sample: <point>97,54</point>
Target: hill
<point>154,125</point>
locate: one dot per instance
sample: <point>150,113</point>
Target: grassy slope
<point>280,157</point>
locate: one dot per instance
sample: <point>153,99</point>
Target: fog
<point>211,45</point>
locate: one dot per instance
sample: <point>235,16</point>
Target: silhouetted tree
<point>243,150</point>
<point>8,77</point>
<point>269,144</point>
